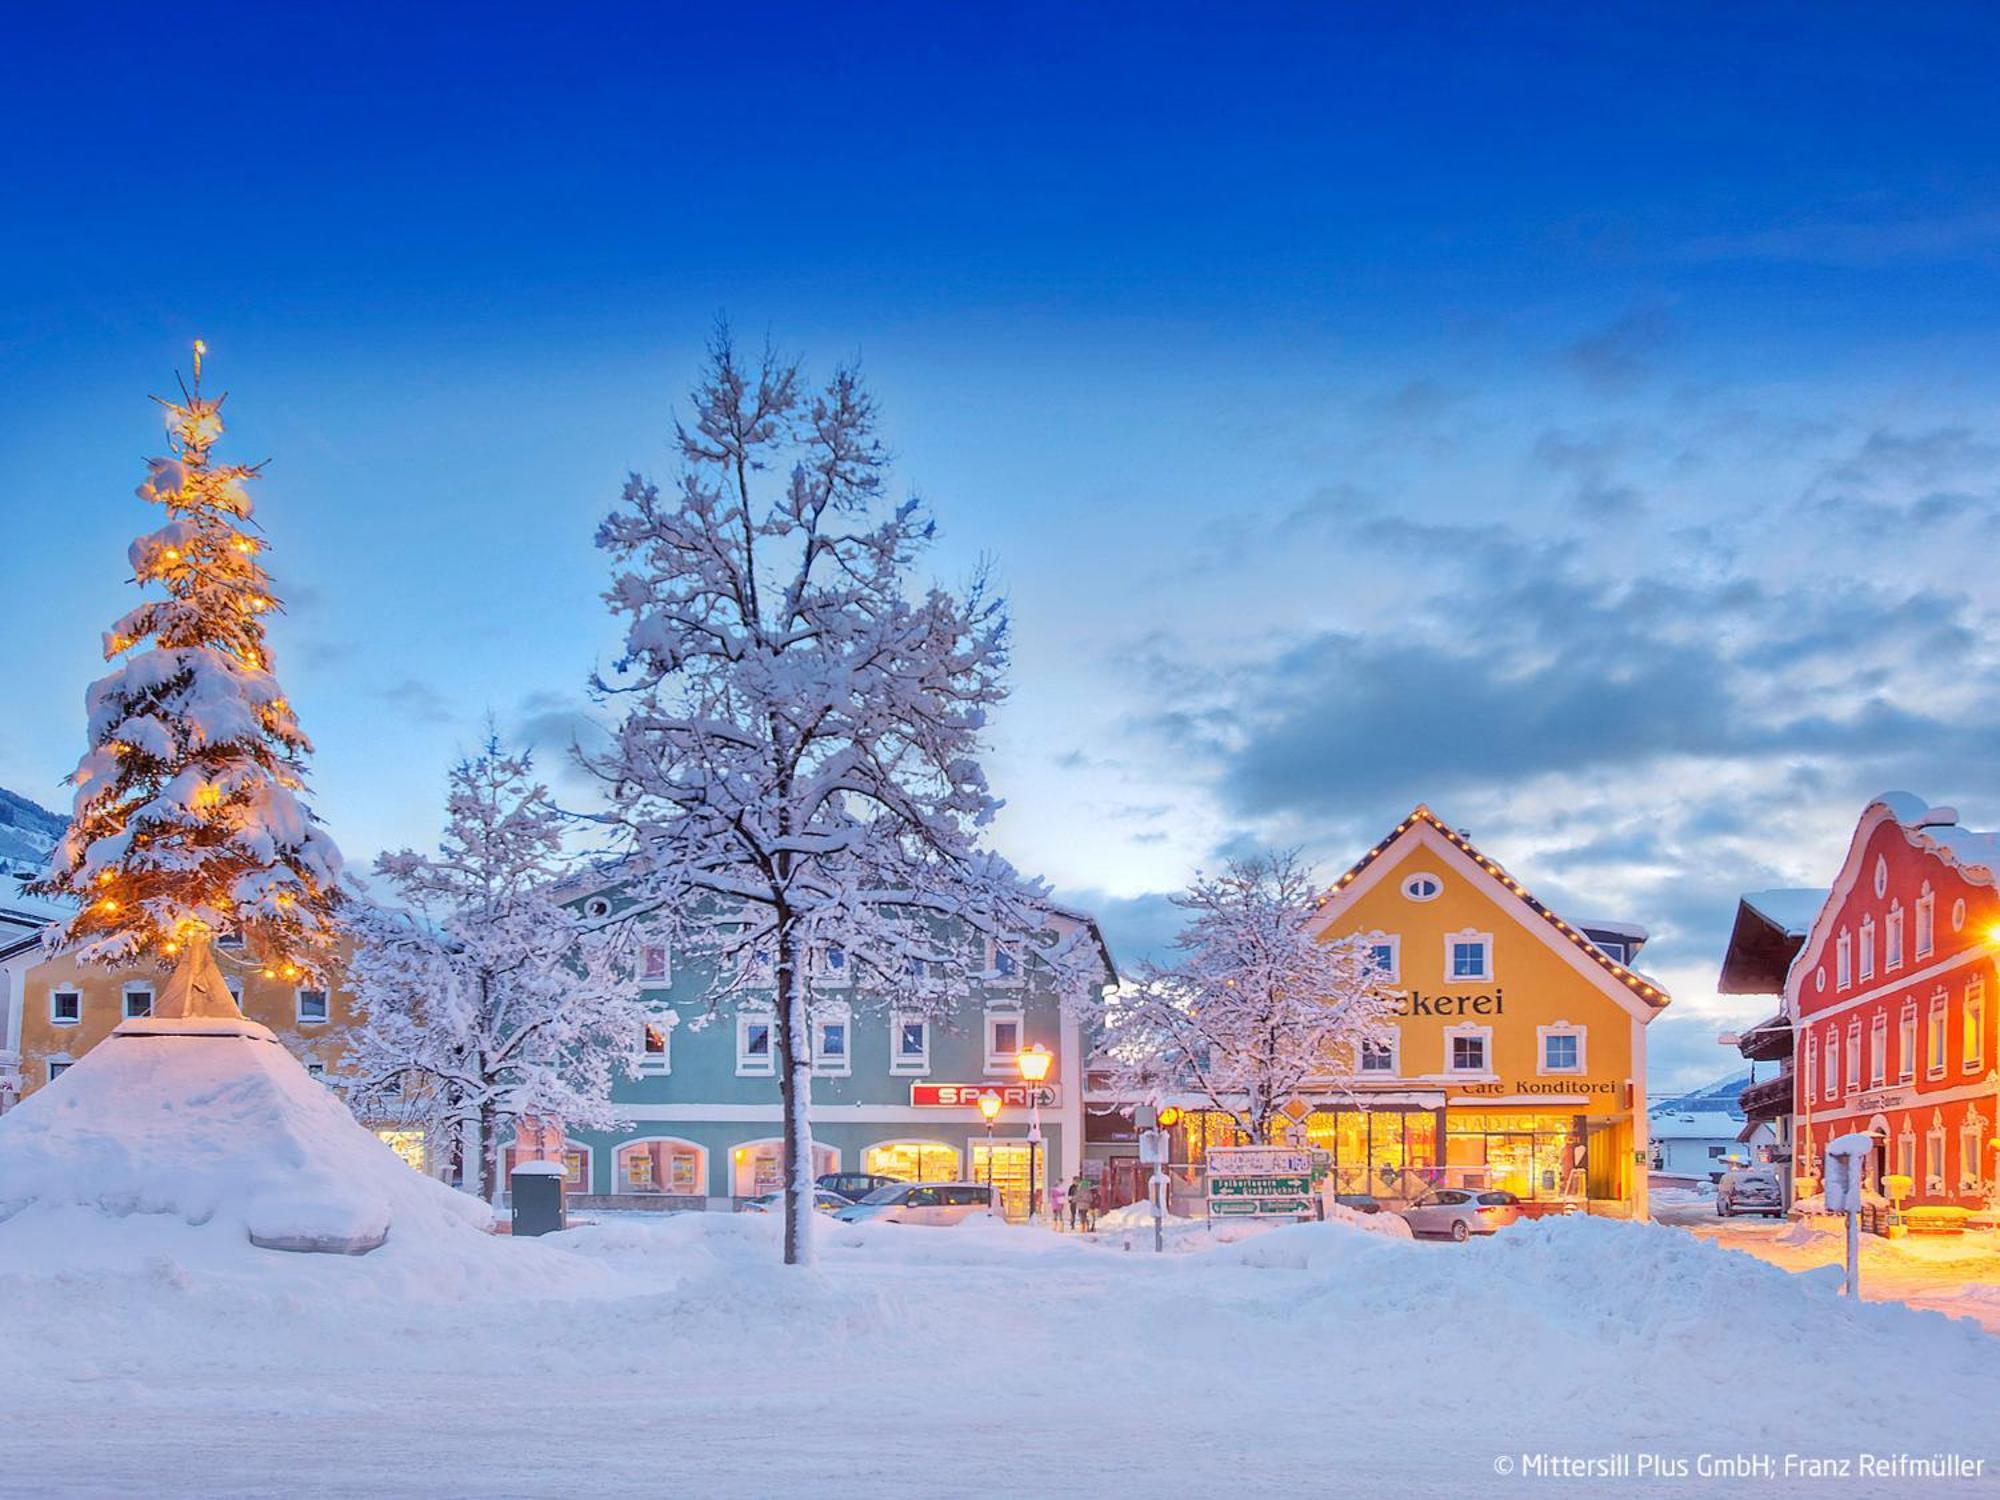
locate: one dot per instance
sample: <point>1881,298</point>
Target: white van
<point>920,1203</point>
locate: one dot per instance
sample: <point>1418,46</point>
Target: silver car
<point>1460,1213</point>
<point>1749,1190</point>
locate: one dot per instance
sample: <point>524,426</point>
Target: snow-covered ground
<point>673,1356</point>
<point>1955,1274</point>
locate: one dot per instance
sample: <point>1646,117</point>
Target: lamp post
<point>1034,1066</point>
<point>989,1106</point>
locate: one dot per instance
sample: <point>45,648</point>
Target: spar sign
<point>1259,1181</point>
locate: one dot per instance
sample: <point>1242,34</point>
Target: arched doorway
<point>661,1164</point>
<point>758,1167</point>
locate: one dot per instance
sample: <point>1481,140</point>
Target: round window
<point>1881,874</point>
<point>1422,886</point>
<point>1819,977</point>
<point>1958,914</point>
<point>597,906</point>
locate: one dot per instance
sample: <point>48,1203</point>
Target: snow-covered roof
<point>1790,909</point>
<point>1632,931</point>
<point>1675,1125</point>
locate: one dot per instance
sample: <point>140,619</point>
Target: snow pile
<point>213,1123</point>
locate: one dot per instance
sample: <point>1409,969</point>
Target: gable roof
<point>1565,937</point>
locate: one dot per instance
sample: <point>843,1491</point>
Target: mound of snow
<point>216,1124</point>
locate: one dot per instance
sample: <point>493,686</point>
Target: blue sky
<point>1582,422</point>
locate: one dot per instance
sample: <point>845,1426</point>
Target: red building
<point>1892,1002</point>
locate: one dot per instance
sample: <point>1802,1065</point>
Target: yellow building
<point>1519,1061</point>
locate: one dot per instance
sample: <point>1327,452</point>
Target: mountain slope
<point>27,832</point>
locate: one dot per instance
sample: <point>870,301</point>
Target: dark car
<point>853,1186</point>
<point>1361,1203</point>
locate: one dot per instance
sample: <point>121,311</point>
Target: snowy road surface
<point>673,1357</point>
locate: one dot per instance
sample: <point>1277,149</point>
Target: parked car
<point>1461,1213</point>
<point>920,1203</point>
<point>1749,1189</point>
<point>854,1186</point>
<point>1361,1203</point>
<point>774,1203</point>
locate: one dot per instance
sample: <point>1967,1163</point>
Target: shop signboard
<point>1259,1181</point>
<point>966,1095</point>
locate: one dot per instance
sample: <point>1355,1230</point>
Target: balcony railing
<point>1769,1099</point>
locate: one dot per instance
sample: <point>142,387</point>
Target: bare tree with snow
<point>483,994</point>
<point>1257,1009</point>
<point>798,765</point>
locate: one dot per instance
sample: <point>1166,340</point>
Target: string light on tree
<point>186,820</point>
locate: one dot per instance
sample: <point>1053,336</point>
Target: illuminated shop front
<point>912,1161</point>
<point>664,1165</point>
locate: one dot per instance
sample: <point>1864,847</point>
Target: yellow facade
<point>48,1037</point>
<point>1519,1060</point>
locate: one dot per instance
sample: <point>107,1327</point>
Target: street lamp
<point>989,1106</point>
<point>1034,1066</point>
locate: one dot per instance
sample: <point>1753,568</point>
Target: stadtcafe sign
<point>967,1095</point>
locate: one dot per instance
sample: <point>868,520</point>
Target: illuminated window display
<point>912,1161</point>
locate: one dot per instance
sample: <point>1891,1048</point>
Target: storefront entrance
<point>1539,1158</point>
<point>758,1167</point>
<point>1390,1154</point>
<point>912,1161</point>
<point>1010,1174</point>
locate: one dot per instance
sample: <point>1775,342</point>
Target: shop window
<point>756,1045</point>
<point>831,1034</point>
<point>1926,922</point>
<point>1892,939</point>
<point>1561,1048</point>
<point>1934,1063</point>
<point>1468,955</point>
<point>1379,1058</point>
<point>1385,951</point>
<point>665,1165</point>
<point>409,1145</point>
<point>1906,1042</point>
<point>1003,1041</point>
<point>1843,962</point>
<point>1468,1048</point>
<point>910,1038</point>
<point>138,1001</point>
<point>656,964</point>
<point>1868,947</point>
<point>311,1006</point>
<point>1878,1049</point>
<point>1972,1041</point>
<point>1853,1055</point>
<point>656,1044</point>
<point>1832,1061</point>
<point>1423,886</point>
<point>65,1007</point>
<point>758,1167</point>
<point>912,1161</point>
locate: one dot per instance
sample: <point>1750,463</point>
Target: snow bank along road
<point>663,1357</point>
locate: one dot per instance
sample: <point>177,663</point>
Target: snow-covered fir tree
<point>1256,1008</point>
<point>482,999</point>
<point>188,819</point>
<point>798,766</point>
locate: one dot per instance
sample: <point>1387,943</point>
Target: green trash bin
<point>536,1188</point>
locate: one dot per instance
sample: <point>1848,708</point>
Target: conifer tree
<point>188,817</point>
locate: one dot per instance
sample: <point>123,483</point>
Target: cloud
<point>418,702</point>
<point>1136,927</point>
<point>1621,354</point>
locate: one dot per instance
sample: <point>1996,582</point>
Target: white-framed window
<point>1380,1058</point>
<point>597,906</point>
<point>656,963</point>
<point>1386,950</point>
<point>656,1043</point>
<point>138,1001</point>
<point>311,1006</point>
<point>1881,875</point>
<point>1878,1049</point>
<point>756,1044</point>
<point>1868,946</point>
<point>1892,939</point>
<point>1003,962</point>
<point>1832,1075</point>
<point>833,965</point>
<point>1934,1061</point>
<point>1854,1054</point>
<point>59,1066</point>
<point>1906,1042</point>
<point>1972,1151</point>
<point>833,1042</point>
<point>1560,1048</point>
<point>1926,921</point>
<point>909,1044</point>
<point>1934,1155</point>
<point>1468,1049</point>
<point>1468,955</point>
<point>1958,915</point>
<point>1003,1040</point>
<point>759,971</point>
<point>1422,886</point>
<point>1812,1062</point>
<point>1906,1153</point>
<point>1843,961</point>
<point>1972,1038</point>
<point>65,1007</point>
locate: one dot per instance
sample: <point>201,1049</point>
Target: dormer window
<point>1422,886</point>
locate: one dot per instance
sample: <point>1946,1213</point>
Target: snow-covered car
<point>854,1186</point>
<point>920,1203</point>
<point>1460,1213</point>
<point>1361,1203</point>
<point>1749,1190</point>
<point>774,1203</point>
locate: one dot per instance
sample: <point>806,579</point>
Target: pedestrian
<point>1082,1203</point>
